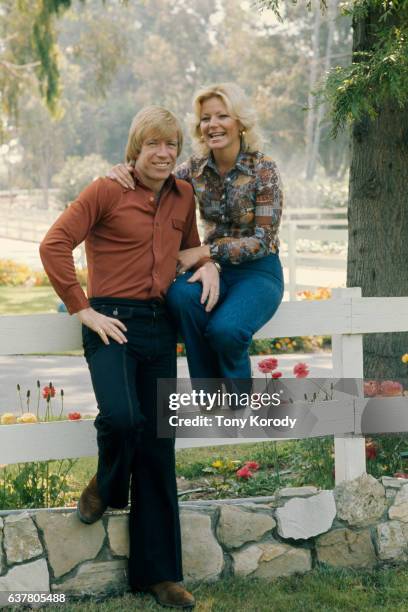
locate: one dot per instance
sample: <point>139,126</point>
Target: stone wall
<point>360,524</point>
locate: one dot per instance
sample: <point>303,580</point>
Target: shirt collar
<point>169,184</point>
<point>243,163</point>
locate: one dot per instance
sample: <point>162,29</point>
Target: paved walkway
<point>72,375</point>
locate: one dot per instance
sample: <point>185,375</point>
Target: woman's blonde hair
<point>237,104</point>
<point>152,121</point>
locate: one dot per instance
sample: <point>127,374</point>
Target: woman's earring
<point>242,133</point>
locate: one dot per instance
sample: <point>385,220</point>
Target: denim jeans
<point>217,342</point>
<point>124,378</point>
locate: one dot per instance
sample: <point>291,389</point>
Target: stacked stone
<point>361,523</point>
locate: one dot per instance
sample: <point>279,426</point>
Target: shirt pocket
<point>178,224</point>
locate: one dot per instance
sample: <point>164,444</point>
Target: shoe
<point>171,595</point>
<point>90,506</point>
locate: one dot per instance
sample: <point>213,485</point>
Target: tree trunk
<point>378,216</point>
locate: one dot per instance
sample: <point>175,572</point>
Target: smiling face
<point>157,159</point>
<point>218,128</point>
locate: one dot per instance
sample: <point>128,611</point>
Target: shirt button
<point>223,196</point>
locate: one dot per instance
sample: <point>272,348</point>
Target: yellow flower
<point>27,417</point>
<point>404,358</point>
<point>278,345</point>
<point>217,464</point>
<point>8,418</point>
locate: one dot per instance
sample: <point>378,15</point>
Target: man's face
<point>157,159</point>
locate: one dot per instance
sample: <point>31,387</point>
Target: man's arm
<point>69,230</point>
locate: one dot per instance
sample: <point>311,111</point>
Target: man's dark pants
<point>124,378</point>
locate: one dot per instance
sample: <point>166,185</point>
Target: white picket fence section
<point>346,316</point>
<point>318,224</point>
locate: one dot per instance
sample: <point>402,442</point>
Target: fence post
<point>347,350</point>
<point>292,260</point>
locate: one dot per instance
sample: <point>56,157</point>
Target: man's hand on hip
<point>209,276</point>
<point>106,327</point>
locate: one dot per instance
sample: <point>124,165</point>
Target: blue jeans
<point>217,342</point>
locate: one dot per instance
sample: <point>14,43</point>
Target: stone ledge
<point>356,525</point>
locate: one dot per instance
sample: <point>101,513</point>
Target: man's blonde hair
<point>240,108</point>
<point>152,121</point>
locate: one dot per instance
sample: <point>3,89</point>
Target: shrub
<point>77,173</point>
<point>13,274</point>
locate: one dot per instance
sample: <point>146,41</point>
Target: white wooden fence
<point>345,317</point>
<point>320,224</point>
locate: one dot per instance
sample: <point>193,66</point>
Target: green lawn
<point>323,589</point>
<point>27,300</point>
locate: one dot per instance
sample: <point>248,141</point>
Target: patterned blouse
<point>241,211</point>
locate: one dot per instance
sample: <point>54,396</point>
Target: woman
<point>239,194</point>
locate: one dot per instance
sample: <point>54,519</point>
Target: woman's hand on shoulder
<point>121,173</point>
<point>106,327</point>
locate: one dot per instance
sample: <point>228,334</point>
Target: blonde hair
<point>237,104</point>
<point>154,121</point>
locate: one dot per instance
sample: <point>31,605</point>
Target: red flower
<point>244,473</point>
<point>252,465</point>
<point>48,391</point>
<point>74,416</point>
<point>301,370</point>
<point>267,365</point>
<point>390,388</point>
<point>401,475</point>
<point>371,388</point>
<point>276,374</point>
<point>371,450</point>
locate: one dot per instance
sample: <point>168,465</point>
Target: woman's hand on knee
<point>209,276</point>
<point>106,327</point>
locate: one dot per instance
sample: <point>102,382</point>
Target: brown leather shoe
<point>171,595</point>
<point>90,506</point>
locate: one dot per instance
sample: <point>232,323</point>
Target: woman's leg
<point>254,294</point>
<point>183,299</point>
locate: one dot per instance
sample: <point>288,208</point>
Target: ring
<point>99,331</point>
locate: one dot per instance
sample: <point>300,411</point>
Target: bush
<point>77,173</point>
<point>13,274</point>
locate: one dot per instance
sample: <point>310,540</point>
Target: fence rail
<point>345,317</point>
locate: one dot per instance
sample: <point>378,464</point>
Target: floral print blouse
<point>241,211</point>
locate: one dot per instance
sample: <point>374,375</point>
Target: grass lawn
<point>27,300</point>
<point>323,589</point>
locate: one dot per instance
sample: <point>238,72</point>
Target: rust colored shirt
<point>131,241</point>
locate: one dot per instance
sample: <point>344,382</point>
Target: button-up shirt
<point>131,241</point>
<point>241,210</point>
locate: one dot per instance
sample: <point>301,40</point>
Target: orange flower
<point>391,388</point>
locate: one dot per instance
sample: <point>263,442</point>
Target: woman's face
<point>218,129</point>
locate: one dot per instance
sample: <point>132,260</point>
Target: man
<point>132,239</point>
